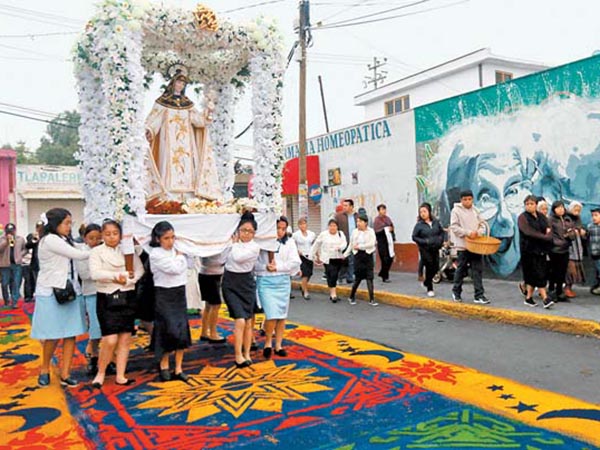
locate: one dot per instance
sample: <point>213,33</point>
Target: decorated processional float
<point>177,164</point>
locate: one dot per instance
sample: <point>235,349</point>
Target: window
<point>501,77</point>
<point>397,105</point>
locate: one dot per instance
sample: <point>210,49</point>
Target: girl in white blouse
<point>328,249</point>
<point>107,269</point>
<point>305,239</point>
<point>362,245</point>
<point>171,332</point>
<point>239,287</point>
<point>274,283</point>
<point>53,321</point>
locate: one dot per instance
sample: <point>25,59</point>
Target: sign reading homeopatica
<point>358,134</point>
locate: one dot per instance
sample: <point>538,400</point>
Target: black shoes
<point>242,365</point>
<point>530,302</point>
<point>267,352</point>
<point>181,376</point>
<point>165,375</point>
<point>129,382</point>
<point>217,341</point>
<point>68,382</point>
<point>333,299</point>
<point>457,298</point>
<point>547,303</point>
<point>281,352</point>
<point>481,300</point>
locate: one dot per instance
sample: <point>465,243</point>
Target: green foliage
<point>24,154</point>
<point>61,142</point>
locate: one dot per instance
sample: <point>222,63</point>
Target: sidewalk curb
<point>559,324</point>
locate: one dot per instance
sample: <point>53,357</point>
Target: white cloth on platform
<point>201,234</point>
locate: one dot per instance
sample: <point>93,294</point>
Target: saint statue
<point>181,164</point>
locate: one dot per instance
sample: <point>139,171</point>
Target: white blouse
<point>329,246</point>
<point>88,286</point>
<point>365,240</point>
<point>168,268</point>
<point>107,263</point>
<point>304,243</point>
<point>54,254</point>
<point>242,257</point>
<point>287,260</point>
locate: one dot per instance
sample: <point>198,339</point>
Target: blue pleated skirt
<point>52,320</point>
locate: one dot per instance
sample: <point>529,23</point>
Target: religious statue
<point>181,164</point>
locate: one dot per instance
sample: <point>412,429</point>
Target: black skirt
<point>239,293</point>
<point>171,328</point>
<point>210,288</point>
<point>535,269</point>
<point>306,267</point>
<point>115,320</point>
<point>363,265</point>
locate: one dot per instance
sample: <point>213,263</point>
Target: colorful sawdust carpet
<point>330,392</point>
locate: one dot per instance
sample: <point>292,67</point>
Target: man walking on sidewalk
<point>12,249</point>
<point>347,224</point>
<point>466,222</point>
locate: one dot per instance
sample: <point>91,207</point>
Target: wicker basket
<point>483,245</point>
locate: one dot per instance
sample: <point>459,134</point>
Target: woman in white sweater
<point>171,328</point>
<point>362,245</point>
<point>115,301</point>
<point>328,249</point>
<point>305,239</point>
<point>274,284</point>
<point>53,321</point>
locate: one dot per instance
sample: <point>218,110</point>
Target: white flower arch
<point>123,46</point>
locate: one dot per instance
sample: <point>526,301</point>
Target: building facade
<point>466,73</point>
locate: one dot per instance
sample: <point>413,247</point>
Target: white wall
<point>386,169</point>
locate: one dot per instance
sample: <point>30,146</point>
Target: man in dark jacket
<point>346,224</point>
<point>30,276</point>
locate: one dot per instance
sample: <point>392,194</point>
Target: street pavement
<point>579,316</point>
<point>556,362</point>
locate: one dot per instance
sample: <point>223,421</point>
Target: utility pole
<point>302,179</point>
<point>378,76</point>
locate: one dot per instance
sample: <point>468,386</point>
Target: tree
<point>62,141</point>
<point>24,154</point>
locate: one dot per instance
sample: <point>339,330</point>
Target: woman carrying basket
<point>465,221</point>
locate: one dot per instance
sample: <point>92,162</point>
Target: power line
<point>53,122</point>
<point>37,112</point>
<point>343,25</point>
<point>40,14</point>
<point>34,35</point>
<point>380,12</point>
<point>270,2</point>
<point>33,52</point>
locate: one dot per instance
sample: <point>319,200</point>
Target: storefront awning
<point>291,174</point>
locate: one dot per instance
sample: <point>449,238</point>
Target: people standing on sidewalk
<point>362,246</point>
<point>274,271</point>
<point>33,240</point>
<point>346,221</point>
<point>594,242</point>
<point>53,321</point>
<point>92,237</point>
<point>535,239</point>
<point>429,236</point>
<point>239,287</point>
<point>465,221</point>
<point>305,239</point>
<point>562,235</point>
<point>209,279</point>
<point>575,270</point>
<point>12,250</point>
<point>28,286</point>
<point>115,301</point>
<point>328,249</point>
<point>384,232</point>
<point>171,332</point>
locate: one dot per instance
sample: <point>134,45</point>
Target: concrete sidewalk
<point>581,316</point>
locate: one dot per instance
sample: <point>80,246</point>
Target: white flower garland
<point>124,42</point>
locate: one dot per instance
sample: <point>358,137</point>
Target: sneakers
<point>595,290</point>
<point>481,300</point>
<point>324,277</point>
<point>547,303</point>
<point>352,301</point>
<point>373,302</point>
<point>306,296</point>
<point>522,288</point>
<point>44,379</point>
<point>530,302</point>
<point>430,294</point>
<point>68,382</point>
<point>457,298</point>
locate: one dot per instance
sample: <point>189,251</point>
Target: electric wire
<point>53,122</point>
